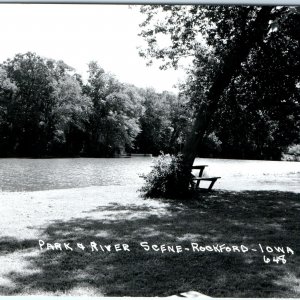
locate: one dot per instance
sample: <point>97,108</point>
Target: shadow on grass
<point>235,218</point>
<point>9,245</point>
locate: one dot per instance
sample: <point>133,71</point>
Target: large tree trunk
<point>231,64</point>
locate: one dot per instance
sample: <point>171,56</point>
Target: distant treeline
<point>46,110</point>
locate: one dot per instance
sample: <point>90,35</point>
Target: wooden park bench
<point>195,181</point>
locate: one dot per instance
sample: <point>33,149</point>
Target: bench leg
<point>201,171</point>
<point>211,184</point>
<point>192,184</point>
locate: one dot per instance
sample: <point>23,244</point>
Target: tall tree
<point>70,113</point>
<point>155,124</point>
<point>231,31</point>
<point>165,119</point>
<point>258,114</point>
<point>41,104</point>
<point>116,109</point>
<point>30,107</point>
<point>8,91</point>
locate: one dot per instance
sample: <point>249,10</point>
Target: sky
<point>78,34</point>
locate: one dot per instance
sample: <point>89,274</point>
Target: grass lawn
<point>112,215</point>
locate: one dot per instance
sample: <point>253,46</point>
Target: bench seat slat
<point>197,180</point>
<point>199,167</point>
<point>205,178</point>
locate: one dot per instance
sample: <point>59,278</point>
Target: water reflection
<point>47,174</point>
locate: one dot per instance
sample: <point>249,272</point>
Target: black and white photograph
<point>150,150</point>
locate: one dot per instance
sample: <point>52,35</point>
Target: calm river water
<point>48,174</point>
